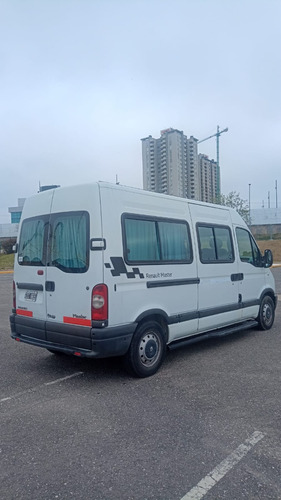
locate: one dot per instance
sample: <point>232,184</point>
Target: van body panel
<point>70,301</point>
<point>189,266</point>
<point>30,285</point>
<point>218,302</point>
<point>130,283</point>
<point>256,279</point>
<point>59,292</point>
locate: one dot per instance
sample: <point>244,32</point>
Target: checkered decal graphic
<point>118,267</point>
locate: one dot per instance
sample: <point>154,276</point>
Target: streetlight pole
<point>249,204</point>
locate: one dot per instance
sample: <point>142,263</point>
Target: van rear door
<point>56,269</point>
<point>30,264</point>
<point>73,269</point>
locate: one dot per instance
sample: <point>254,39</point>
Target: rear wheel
<point>266,313</point>
<point>147,350</point>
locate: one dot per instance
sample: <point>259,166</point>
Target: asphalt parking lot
<point>207,425</point>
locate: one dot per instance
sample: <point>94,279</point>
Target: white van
<point>104,270</point>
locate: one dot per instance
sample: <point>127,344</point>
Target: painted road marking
<point>63,378</point>
<point>33,389</point>
<point>223,468</point>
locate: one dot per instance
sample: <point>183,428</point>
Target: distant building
<point>45,188</point>
<point>8,231</point>
<point>16,211</point>
<point>265,222</point>
<point>193,190</point>
<point>11,230</point>
<point>208,179</point>
<point>171,165</point>
<point>164,163</point>
<point>262,216</point>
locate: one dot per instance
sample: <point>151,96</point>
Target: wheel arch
<point>271,294</point>
<point>157,315</point>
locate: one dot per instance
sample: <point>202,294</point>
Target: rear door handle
<point>50,286</point>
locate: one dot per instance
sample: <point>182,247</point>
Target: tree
<point>234,200</point>
<point>7,245</point>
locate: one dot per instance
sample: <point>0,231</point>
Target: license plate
<point>31,295</point>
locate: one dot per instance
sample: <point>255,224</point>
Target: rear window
<point>69,242</point>
<point>60,241</point>
<point>32,251</point>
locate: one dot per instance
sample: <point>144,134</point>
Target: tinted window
<point>248,250</point>
<point>215,243</point>
<point>150,240</point>
<point>69,242</point>
<point>31,250</point>
<point>62,241</point>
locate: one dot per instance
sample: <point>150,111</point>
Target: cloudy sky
<point>82,81</point>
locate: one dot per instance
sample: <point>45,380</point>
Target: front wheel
<point>266,313</point>
<point>147,350</point>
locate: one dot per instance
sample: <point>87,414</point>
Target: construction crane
<point>217,135</point>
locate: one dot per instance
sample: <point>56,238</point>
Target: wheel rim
<point>267,314</point>
<point>149,349</point>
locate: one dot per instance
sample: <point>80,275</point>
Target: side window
<point>155,240</point>
<point>69,242</point>
<point>206,244</point>
<point>248,250</point>
<point>31,251</point>
<point>141,240</point>
<point>223,242</point>
<point>215,243</point>
<point>175,241</point>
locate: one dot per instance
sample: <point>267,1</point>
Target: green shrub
<point>7,245</point>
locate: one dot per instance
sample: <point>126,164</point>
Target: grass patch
<point>273,245</point>
<point>6,262</point>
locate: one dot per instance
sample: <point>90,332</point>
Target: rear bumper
<point>71,339</point>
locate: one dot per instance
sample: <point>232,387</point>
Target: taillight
<point>100,303</point>
<point>14,295</point>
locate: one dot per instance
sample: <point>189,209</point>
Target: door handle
<point>237,277</point>
<point>50,286</point>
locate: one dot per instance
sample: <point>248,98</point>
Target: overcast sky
<point>81,82</point>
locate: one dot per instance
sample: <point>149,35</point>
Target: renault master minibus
<point>105,270</point>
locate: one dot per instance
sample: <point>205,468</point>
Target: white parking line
<point>223,468</point>
<point>32,389</point>
<point>63,378</point>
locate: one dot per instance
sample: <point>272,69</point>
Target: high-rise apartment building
<point>192,170</point>
<point>170,164</point>
<point>208,179</point>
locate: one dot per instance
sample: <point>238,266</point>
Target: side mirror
<point>268,258</point>
<point>15,248</point>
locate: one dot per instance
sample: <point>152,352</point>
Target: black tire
<point>266,313</point>
<point>147,350</point>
